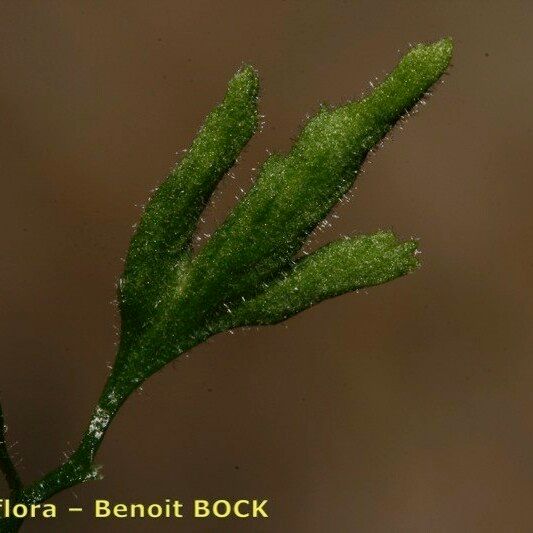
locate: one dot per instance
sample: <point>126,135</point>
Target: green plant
<point>248,272</point>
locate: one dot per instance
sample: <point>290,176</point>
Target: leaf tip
<point>443,49</point>
<point>431,59</point>
<point>246,81</point>
<point>408,255</point>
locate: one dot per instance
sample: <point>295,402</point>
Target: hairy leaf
<point>339,267</point>
<point>162,239</point>
<point>294,192</point>
<point>255,247</point>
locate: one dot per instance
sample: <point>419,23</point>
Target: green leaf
<point>162,240</point>
<point>294,192</point>
<point>339,267</point>
<point>179,303</point>
<point>247,272</point>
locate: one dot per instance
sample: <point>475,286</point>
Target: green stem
<point>6,464</point>
<point>79,467</point>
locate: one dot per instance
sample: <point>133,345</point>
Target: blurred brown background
<point>406,409</point>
